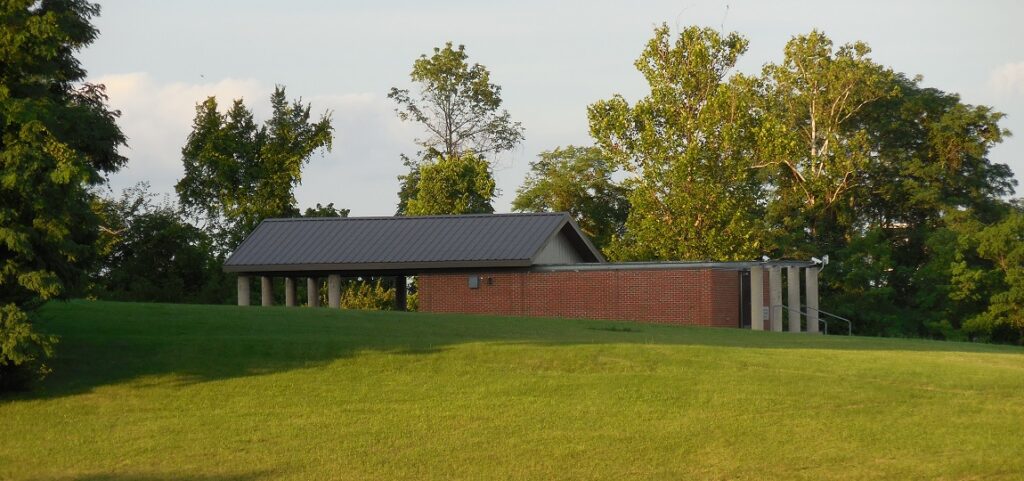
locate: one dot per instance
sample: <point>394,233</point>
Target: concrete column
<point>793,298</point>
<point>775,297</point>
<point>312,292</point>
<point>811,292</point>
<point>289,291</point>
<point>400,294</point>
<point>334,291</point>
<point>757,298</point>
<point>243,290</point>
<point>267,290</point>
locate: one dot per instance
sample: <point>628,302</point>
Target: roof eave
<point>375,266</point>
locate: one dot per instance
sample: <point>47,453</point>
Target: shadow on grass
<point>103,343</point>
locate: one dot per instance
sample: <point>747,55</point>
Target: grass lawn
<point>161,392</point>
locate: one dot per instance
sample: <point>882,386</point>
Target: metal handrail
<point>849,323</point>
<point>801,313</point>
<point>790,309</point>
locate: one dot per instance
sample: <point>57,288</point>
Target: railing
<point>784,308</point>
<point>849,323</point>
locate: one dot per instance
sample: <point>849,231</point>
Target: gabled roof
<point>405,243</point>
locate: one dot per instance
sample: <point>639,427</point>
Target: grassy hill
<point>161,392</point>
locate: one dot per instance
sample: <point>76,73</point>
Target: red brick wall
<point>700,297</point>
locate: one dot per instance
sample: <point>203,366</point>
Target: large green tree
<point>454,185</point>
<point>811,141</point>
<point>688,146</point>
<point>927,184</point>
<point>238,172</point>
<point>577,180</point>
<point>58,139</point>
<point>888,177</point>
<point>460,111</point>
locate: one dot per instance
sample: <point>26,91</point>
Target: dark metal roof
<point>403,243</point>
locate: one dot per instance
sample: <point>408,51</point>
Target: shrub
<point>371,295</point>
<point>22,349</point>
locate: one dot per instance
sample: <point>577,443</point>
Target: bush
<point>370,295</point>
<point>22,350</point>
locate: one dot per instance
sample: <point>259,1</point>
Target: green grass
<point>161,392</point>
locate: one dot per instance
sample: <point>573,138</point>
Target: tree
<point>325,211</point>
<point>577,180</point>
<point>886,176</point>
<point>149,253</point>
<point>1000,279</point>
<point>454,185</point>
<point>459,109</point>
<point>58,139</point>
<point>927,187</point>
<point>457,105</point>
<point>810,140</point>
<point>238,173</point>
<point>693,192</point>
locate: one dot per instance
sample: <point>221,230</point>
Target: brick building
<point>520,265</point>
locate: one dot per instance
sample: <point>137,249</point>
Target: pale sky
<point>159,58</point>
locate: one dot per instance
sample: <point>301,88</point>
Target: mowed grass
<point>161,392</point>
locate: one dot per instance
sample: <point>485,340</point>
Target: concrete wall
<point>700,297</point>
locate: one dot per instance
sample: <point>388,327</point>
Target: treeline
<point>823,153</point>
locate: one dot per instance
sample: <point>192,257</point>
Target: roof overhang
<point>407,267</point>
<point>673,265</point>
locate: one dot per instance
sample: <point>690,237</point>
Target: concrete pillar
<point>811,292</point>
<point>400,294</point>
<point>757,298</point>
<point>243,290</point>
<point>334,291</point>
<point>793,298</point>
<point>289,291</point>
<point>267,290</point>
<point>312,292</point>
<point>775,297</point>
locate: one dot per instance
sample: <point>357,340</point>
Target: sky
<point>158,59</point>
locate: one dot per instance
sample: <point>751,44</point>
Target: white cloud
<point>1008,79</point>
<point>157,118</point>
<point>359,173</point>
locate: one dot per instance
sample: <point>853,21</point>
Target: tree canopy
<point>577,180</point>
<point>148,252</point>
<point>454,185</point>
<point>460,111</point>
<point>58,140</point>
<point>457,105</point>
<point>688,145</point>
<point>238,173</point>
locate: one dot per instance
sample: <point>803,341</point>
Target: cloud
<point>1008,79</point>
<point>359,173</point>
<point>157,118</point>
